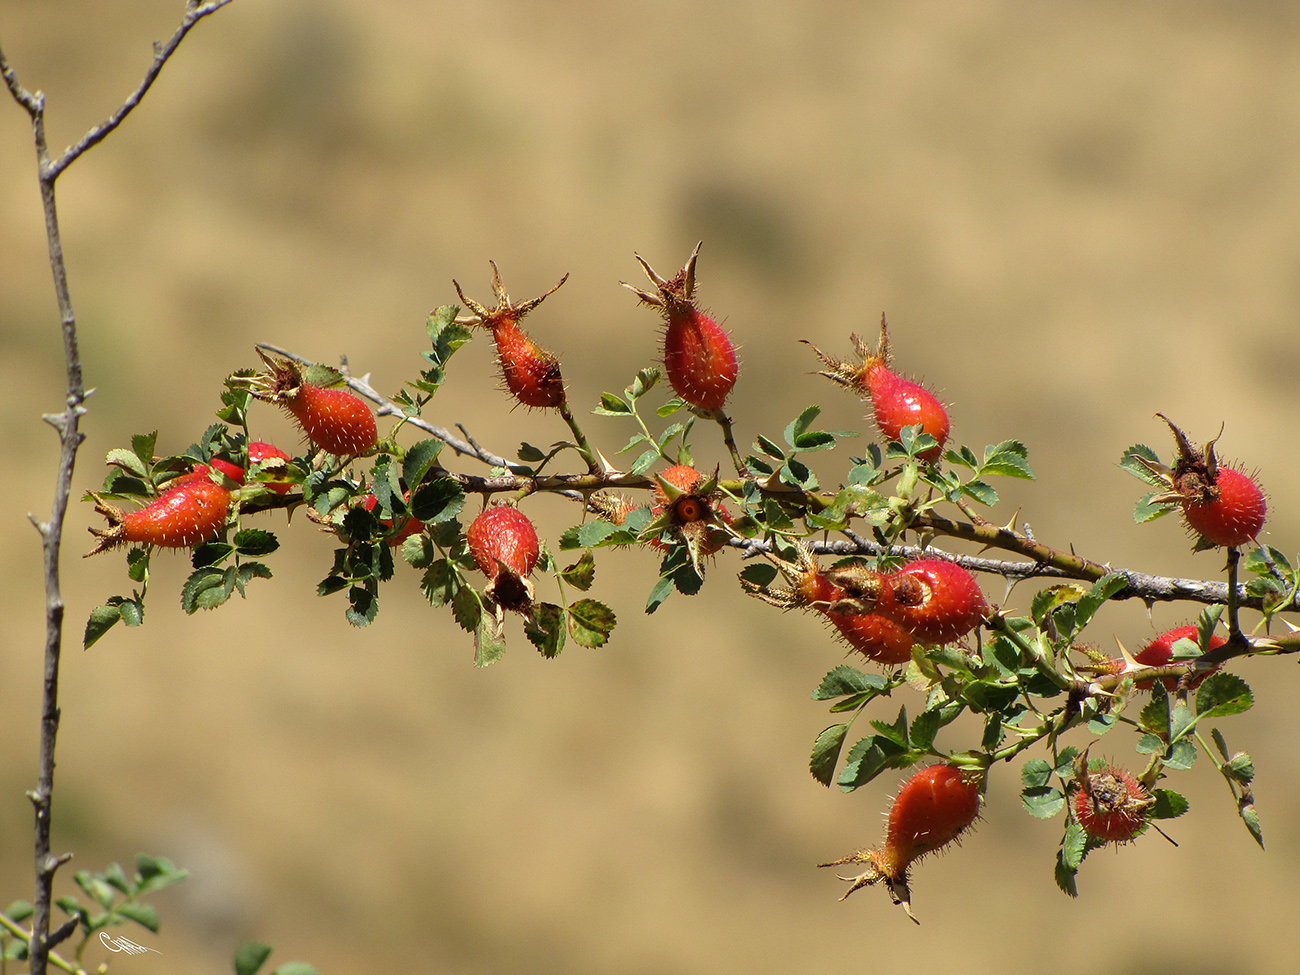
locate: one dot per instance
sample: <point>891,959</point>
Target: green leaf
<point>144,445</point>
<point>1169,804</point>
<point>19,911</point>
<point>1154,717</point>
<point>440,583</point>
<point>611,405</point>
<point>1007,459</point>
<point>1251,818</point>
<point>896,732</point>
<point>1145,510</point>
<point>529,454</point>
<point>759,573</point>
<point>548,633</point>
<point>865,761</point>
<point>250,956</point>
<point>769,448</point>
<point>436,501</point>
<point>1107,587</point>
<point>582,573</point>
<point>1042,801</point>
<point>1074,845</point>
<point>419,460</point>
<point>114,875</point>
<point>102,619</point>
<point>796,473</point>
<point>644,381</point>
<point>924,728</point>
<point>1046,600</point>
<point>591,622</point>
<point>1132,462</point>
<point>95,887</point>
<point>210,553</point>
<point>1182,755</point>
<point>826,753</point>
<point>489,641</point>
<point>467,608</point>
<point>255,543</point>
<point>207,588</point>
<point>295,968</point>
<point>1223,694</point>
<point>847,680</point>
<point>798,426</point>
<point>647,460</point>
<point>142,914</point>
<point>363,606</point>
<point>129,461</point>
<point>1035,773</point>
<point>661,591</point>
<point>981,492</point>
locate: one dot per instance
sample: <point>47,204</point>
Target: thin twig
<point>67,423</point>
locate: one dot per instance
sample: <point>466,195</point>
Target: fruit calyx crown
<point>854,374</point>
<point>674,295</point>
<point>505,311</point>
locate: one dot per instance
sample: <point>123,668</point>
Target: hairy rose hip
<point>531,374</point>
<point>1222,505</point>
<point>181,517</point>
<point>1160,650</point>
<point>878,639</point>
<point>332,419</point>
<point>935,601</point>
<point>933,808</point>
<point>698,355</point>
<point>1111,805</point>
<point>504,545</point>
<point>895,401</point>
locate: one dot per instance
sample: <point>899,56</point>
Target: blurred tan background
<point>1074,215</point>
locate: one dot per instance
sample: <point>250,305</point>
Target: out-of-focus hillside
<point>1074,215</point>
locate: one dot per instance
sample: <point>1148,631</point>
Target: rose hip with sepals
<point>698,355</point>
<point>183,516</point>
<point>934,600</point>
<point>531,374</point>
<point>875,637</point>
<point>504,545</point>
<point>332,419</point>
<point>1222,505</point>
<point>896,402</point>
<point>1110,805</point>
<point>932,809</point>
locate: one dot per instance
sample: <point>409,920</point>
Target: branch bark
<point>67,424</point>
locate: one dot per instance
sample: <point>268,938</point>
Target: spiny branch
<point>1044,562</point>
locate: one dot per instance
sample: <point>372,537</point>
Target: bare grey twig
<point>67,423</point>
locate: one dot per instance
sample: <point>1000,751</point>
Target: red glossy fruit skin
<point>531,374</point>
<point>699,358</point>
<point>875,637</point>
<point>1159,651</point>
<point>1235,517</point>
<point>936,601</point>
<point>500,535</point>
<point>258,452</point>
<point>180,517</point>
<point>933,808</point>
<point>333,419</point>
<point>900,403</point>
<point>1116,810</point>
